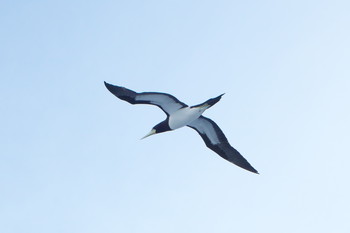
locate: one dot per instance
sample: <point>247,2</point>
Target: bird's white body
<point>185,116</point>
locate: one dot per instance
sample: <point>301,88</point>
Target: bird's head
<point>160,128</point>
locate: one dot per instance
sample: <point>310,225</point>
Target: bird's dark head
<point>160,128</point>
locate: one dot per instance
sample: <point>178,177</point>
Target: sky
<point>71,158</point>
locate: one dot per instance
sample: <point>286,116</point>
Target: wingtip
<point>113,89</point>
<point>253,170</point>
<point>110,87</point>
<point>246,165</point>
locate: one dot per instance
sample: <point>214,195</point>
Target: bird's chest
<point>183,117</point>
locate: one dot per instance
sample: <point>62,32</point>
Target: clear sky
<point>71,158</point>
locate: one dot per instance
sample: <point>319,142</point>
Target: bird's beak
<point>153,131</point>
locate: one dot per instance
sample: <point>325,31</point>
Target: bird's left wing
<point>166,102</point>
<point>215,139</point>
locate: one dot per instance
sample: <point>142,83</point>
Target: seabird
<point>179,115</point>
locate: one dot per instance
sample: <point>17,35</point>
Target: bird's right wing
<point>166,102</point>
<point>215,139</point>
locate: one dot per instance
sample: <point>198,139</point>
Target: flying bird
<point>180,115</point>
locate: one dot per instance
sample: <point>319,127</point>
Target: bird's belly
<point>183,117</point>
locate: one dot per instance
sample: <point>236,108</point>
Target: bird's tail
<point>209,102</point>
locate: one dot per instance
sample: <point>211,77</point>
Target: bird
<point>179,115</point>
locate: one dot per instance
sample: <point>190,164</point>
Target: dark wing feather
<point>166,102</point>
<point>215,139</point>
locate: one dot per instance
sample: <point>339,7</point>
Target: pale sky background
<point>71,158</point>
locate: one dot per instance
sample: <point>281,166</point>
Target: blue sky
<point>71,158</point>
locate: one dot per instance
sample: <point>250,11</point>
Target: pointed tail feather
<point>210,102</point>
